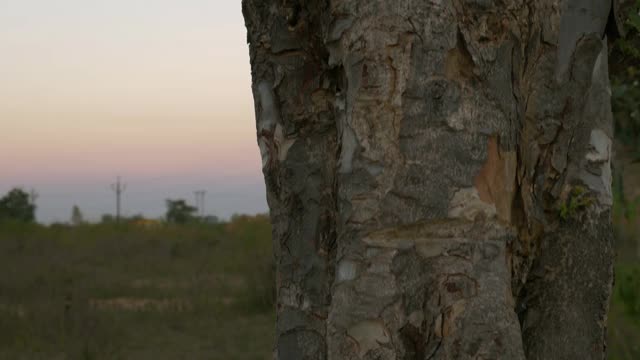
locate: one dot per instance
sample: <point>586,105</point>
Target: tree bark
<point>438,174</point>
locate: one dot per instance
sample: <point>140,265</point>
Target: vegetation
<point>179,212</point>
<point>625,79</point>
<point>624,316</point>
<point>578,200</point>
<point>109,291</point>
<point>76,216</point>
<point>17,206</point>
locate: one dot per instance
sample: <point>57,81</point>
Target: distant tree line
<point>17,205</point>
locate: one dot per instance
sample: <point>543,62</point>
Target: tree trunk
<point>438,174</point>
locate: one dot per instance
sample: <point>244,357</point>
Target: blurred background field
<point>132,291</point>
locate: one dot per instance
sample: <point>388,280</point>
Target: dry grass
<point>110,292</point>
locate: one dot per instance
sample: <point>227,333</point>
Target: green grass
<point>624,315</point>
<point>129,292</point>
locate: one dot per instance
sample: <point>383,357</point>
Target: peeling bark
<point>438,174</point>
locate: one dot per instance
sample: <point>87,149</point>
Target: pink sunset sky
<point>157,92</point>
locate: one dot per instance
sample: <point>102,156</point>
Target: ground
<point>130,292</point>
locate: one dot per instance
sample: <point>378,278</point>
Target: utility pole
<point>197,196</point>
<point>33,196</point>
<point>118,188</point>
<point>204,193</point>
<point>200,201</point>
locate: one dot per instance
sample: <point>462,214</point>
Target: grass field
<point>128,292</point>
<point>170,292</point>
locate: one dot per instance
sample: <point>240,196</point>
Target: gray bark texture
<point>438,174</point>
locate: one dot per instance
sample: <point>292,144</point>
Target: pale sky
<point>157,92</point>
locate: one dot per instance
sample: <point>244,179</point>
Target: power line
<point>118,188</point>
